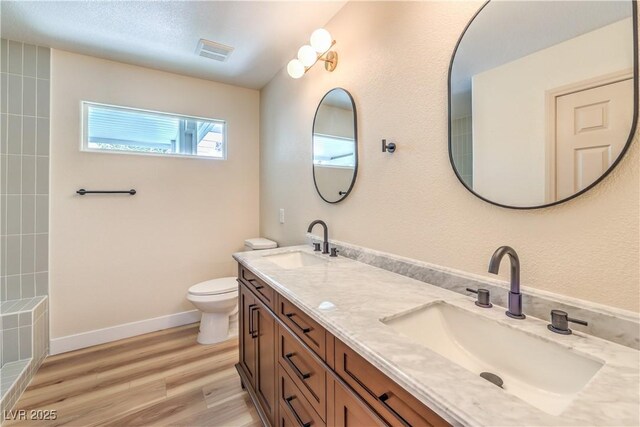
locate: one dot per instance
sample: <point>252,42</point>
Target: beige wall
<point>332,180</point>
<point>119,259</point>
<point>394,60</point>
<point>517,142</point>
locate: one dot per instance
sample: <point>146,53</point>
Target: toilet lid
<point>215,286</point>
<point>260,243</point>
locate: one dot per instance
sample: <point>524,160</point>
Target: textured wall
<point>120,259</point>
<point>394,59</point>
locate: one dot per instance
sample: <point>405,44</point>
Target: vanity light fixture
<point>318,49</point>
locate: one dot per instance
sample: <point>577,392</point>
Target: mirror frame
<point>632,131</point>
<point>355,136</point>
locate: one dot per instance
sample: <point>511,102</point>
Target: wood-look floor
<point>162,379</point>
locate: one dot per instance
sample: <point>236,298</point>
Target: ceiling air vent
<point>213,50</point>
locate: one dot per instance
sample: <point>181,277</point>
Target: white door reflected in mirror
<point>542,98</point>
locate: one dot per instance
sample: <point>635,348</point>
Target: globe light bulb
<point>307,55</point>
<point>321,40</point>
<point>295,68</point>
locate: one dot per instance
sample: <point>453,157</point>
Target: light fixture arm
<point>330,61</point>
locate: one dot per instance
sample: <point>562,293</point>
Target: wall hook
<point>390,147</point>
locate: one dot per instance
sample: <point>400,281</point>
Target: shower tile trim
<point>16,375</point>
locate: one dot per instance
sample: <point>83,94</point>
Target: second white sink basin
<point>542,373</point>
<point>289,260</point>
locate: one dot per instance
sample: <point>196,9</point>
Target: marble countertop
<point>363,294</point>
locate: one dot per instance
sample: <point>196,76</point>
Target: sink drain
<point>492,378</point>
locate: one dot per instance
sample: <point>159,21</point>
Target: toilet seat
<point>225,285</point>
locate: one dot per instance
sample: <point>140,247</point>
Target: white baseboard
<point>127,330</point>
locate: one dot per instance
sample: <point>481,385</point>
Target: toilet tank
<point>258,243</point>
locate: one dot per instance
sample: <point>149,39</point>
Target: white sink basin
<point>297,259</point>
<point>542,373</point>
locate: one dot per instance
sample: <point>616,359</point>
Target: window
<point>329,150</point>
<point>127,130</point>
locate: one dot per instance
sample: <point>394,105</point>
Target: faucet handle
<point>484,297</point>
<point>334,252</point>
<point>316,247</point>
<point>560,322</point>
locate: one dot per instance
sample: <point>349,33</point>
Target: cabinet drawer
<point>349,411</point>
<point>264,292</point>
<point>285,419</point>
<point>308,374</point>
<point>392,402</point>
<point>303,326</point>
<point>294,404</point>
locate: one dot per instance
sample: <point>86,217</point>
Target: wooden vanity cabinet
<point>306,372</point>
<point>246,306</point>
<point>264,292</point>
<point>350,411</point>
<point>387,398</point>
<point>295,404</point>
<point>298,374</point>
<point>304,326</point>
<point>258,351</point>
<point>265,387</point>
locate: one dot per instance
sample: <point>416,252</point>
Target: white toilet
<point>217,299</point>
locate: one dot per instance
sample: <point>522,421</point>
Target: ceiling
<point>164,34</point>
<point>507,30</point>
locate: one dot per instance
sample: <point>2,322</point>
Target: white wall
<point>120,259</point>
<point>509,110</point>
<point>394,59</point>
<point>334,121</point>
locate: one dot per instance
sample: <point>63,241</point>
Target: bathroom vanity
<point>334,341</point>
<point>299,374</point>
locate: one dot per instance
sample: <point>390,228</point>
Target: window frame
<point>84,134</point>
<point>335,137</point>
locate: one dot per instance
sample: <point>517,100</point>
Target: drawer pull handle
<point>255,285</point>
<point>295,414</point>
<point>383,399</point>
<point>252,331</point>
<point>297,370</point>
<point>251,307</point>
<point>304,330</point>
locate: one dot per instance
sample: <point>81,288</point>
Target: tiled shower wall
<point>24,214</point>
<point>462,148</point>
<point>24,108</point>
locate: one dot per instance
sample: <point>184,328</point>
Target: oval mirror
<point>542,99</point>
<point>335,146</point>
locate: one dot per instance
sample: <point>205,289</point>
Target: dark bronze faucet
<point>515,297</point>
<point>325,245</point>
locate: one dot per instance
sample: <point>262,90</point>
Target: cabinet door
<point>349,411</point>
<point>265,340</point>
<point>247,307</point>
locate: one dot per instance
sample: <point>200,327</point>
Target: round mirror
<point>542,99</point>
<point>335,146</point>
